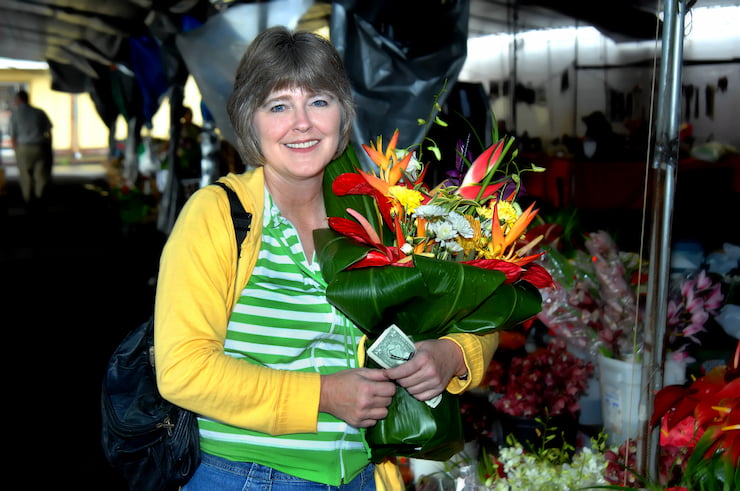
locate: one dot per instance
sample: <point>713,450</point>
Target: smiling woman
<point>274,370</point>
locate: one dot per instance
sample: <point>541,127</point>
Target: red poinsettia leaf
<point>350,183</point>
<point>537,276</point>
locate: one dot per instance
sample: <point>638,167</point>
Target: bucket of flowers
<point>541,389</point>
<point>430,262</point>
<point>595,306</point>
<point>699,436</point>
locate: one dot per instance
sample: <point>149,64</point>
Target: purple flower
<point>463,157</point>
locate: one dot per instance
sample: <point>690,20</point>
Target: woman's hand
<point>359,396</point>
<point>427,374</point>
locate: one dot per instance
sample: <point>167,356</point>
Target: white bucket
<point>590,403</point>
<point>621,408</point>
<point>674,372</point>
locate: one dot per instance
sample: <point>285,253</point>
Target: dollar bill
<point>393,348</point>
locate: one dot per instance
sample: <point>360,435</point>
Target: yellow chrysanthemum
<point>484,212</point>
<point>507,214</point>
<point>410,199</point>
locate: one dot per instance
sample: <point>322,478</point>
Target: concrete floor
<point>75,280</point>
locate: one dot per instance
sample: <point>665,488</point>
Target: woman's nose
<point>302,119</point>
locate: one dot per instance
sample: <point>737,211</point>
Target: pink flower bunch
<point>595,303</point>
<point>695,301</point>
<point>548,381</point>
<point>620,462</point>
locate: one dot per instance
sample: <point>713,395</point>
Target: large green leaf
<point>428,300</point>
<point>372,297</point>
<point>417,430</point>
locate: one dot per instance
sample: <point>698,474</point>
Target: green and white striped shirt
<point>283,320</point>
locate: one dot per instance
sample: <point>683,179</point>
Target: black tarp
<point>398,63</point>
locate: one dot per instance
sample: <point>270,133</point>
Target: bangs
<point>304,76</point>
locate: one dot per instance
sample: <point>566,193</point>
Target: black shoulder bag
<point>153,443</point>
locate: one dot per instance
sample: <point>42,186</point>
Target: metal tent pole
<point>663,182</point>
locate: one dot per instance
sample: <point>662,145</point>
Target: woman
<point>268,364</point>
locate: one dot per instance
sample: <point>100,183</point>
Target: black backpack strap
<point>242,218</point>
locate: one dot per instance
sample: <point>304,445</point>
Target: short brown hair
<point>278,58</point>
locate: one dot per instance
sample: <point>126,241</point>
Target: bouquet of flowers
<point>429,262</point>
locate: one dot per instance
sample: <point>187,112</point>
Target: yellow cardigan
<point>197,289</point>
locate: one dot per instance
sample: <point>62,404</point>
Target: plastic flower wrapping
<point>430,261</point>
<point>594,303</point>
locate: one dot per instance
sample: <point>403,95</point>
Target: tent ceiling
<point>80,32</point>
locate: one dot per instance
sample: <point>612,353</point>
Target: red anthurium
<point>538,276</point>
<point>373,258</point>
<point>352,183</point>
<point>675,403</point>
<point>362,232</point>
<point>350,229</point>
<point>713,408</point>
<point>710,405</point>
<point>511,270</point>
<point>683,434</point>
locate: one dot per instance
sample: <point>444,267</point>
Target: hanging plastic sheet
<point>398,63</point>
<point>212,51</point>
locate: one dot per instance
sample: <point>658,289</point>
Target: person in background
<point>188,150</point>
<point>30,136</point>
<point>268,364</point>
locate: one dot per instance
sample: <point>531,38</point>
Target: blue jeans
<point>226,475</point>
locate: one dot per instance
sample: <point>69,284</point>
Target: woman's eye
<point>277,108</point>
<point>320,103</point>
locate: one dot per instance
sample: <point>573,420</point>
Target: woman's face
<point>298,132</point>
